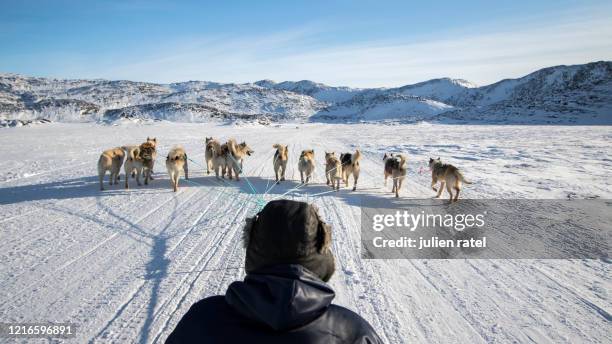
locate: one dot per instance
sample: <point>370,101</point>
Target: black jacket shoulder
<point>212,320</point>
<point>282,304</point>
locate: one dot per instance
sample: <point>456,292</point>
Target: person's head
<point>289,232</point>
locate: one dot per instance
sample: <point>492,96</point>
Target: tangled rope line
<point>253,192</point>
<point>258,198</point>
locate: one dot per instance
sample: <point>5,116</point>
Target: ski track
<point>125,265</point>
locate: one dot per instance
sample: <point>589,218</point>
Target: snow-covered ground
<point>125,265</point>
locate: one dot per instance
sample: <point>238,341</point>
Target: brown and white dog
<point>395,166</point>
<point>333,170</point>
<point>110,160</point>
<point>209,154</point>
<point>448,175</point>
<point>280,161</point>
<point>127,150</point>
<point>350,165</point>
<point>306,165</point>
<point>216,152</point>
<point>152,141</point>
<point>175,162</point>
<point>139,160</point>
<point>234,157</point>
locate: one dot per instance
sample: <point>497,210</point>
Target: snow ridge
<point>578,94</point>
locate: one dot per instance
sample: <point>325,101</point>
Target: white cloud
<point>481,58</point>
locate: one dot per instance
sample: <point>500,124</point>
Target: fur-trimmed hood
<point>289,232</point>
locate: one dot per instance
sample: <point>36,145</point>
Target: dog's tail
<point>101,162</point>
<point>402,159</point>
<point>231,146</point>
<point>462,178</point>
<point>132,153</point>
<point>356,157</point>
<point>177,153</point>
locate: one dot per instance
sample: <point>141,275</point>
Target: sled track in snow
<point>204,250</point>
<point>129,264</point>
<point>89,252</point>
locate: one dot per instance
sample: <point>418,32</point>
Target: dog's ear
<point>248,230</point>
<point>438,158</point>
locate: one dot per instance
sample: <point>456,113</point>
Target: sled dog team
<point>227,159</point>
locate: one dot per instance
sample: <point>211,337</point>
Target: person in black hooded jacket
<point>284,297</point>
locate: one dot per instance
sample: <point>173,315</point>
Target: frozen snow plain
<point>125,265</point>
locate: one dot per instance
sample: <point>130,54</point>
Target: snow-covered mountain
<point>376,105</point>
<point>444,90</point>
<point>560,94</point>
<point>322,92</point>
<point>27,98</point>
<point>567,94</point>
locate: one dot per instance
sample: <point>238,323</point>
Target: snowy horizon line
<point>462,80</point>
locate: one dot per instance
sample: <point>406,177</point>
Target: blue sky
<point>354,43</point>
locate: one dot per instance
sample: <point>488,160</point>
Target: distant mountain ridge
<point>562,94</point>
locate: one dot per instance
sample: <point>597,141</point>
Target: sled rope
<point>268,182</point>
<point>254,191</point>
<point>322,193</point>
<point>222,191</point>
<point>274,184</point>
<point>259,201</point>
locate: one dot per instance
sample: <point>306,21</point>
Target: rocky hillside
<point>561,94</point>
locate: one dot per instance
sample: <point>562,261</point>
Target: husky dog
<point>127,150</point>
<point>139,159</point>
<point>217,152</point>
<point>306,164</point>
<point>110,160</point>
<point>209,154</point>
<point>234,156</point>
<point>446,174</point>
<point>333,170</point>
<point>152,141</point>
<point>130,166</point>
<point>280,161</point>
<point>350,165</point>
<point>395,166</point>
<point>175,162</point>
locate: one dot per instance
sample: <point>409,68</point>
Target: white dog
<point>139,160</point>
<point>175,162</point>
<point>306,165</point>
<point>110,160</point>
<point>280,161</point>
